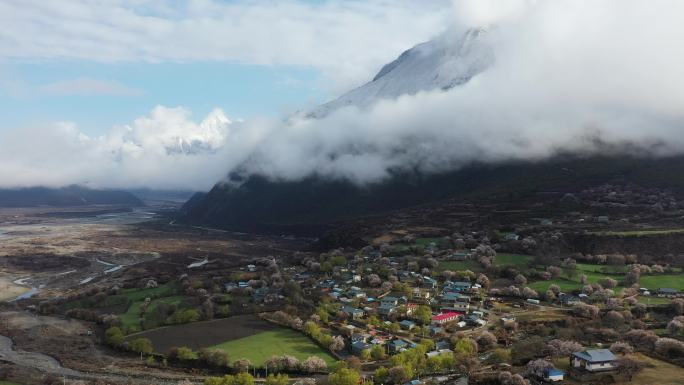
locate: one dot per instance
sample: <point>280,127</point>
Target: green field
<point>593,273</point>
<point>460,265</point>
<point>131,318</point>
<point>654,282</point>
<point>515,260</point>
<point>638,233</point>
<point>654,300</point>
<point>259,347</point>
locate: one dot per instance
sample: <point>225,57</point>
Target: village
<point>408,310</point>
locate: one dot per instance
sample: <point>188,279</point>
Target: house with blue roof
<point>407,324</point>
<point>554,375</point>
<point>594,360</point>
<point>358,347</point>
<point>458,286</point>
<point>396,346</point>
<point>352,312</point>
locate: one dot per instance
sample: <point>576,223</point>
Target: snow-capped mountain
<point>442,63</point>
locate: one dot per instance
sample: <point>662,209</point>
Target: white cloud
<point>88,86</point>
<point>567,72</point>
<point>346,40</point>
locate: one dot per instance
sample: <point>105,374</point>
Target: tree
<point>423,314</point>
<point>642,339</point>
<point>560,348</point>
<point>520,280</point>
<point>676,326</point>
<point>373,280</point>
<point>182,353</point>
<point>354,363</point>
<point>608,283</point>
<point>344,376</point>
<point>242,365</point>
<point>398,375</point>
<point>555,271</point>
<point>365,354</point>
<point>377,352</point>
<point>141,345</point>
<point>629,367</point>
<point>314,364</point>
<point>114,336</point>
<point>538,368</point>
<point>670,347</point>
<point>185,316</point>
<point>614,319</point>
<point>622,348</point>
<point>486,340</point>
<point>214,357</point>
<point>586,311</point>
<point>381,375</point>
<point>278,379</point>
<point>483,281</point>
<point>500,356</point>
<point>337,344</point>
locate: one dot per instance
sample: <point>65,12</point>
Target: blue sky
<point>173,94</point>
<point>241,90</point>
<point>104,64</point>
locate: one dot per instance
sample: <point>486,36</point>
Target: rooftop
<point>596,355</point>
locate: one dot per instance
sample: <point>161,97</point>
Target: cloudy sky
<point>102,63</point>
<point>176,94</point>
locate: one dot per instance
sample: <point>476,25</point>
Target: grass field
<point>515,260</point>
<point>661,373</point>
<point>460,265</point>
<point>654,300</point>
<point>594,274</point>
<point>7,383</point>
<point>131,318</point>
<point>260,347</point>
<point>638,233</point>
<point>654,282</point>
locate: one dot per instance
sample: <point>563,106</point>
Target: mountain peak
<point>445,62</point>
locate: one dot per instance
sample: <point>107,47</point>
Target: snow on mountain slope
<point>442,63</point>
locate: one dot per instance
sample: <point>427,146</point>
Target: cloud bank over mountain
<point>566,75</point>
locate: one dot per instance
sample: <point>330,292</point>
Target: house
<point>389,301</point>
<point>358,347</point>
<point>414,382</point>
<point>386,310</point>
<point>474,320</point>
<point>458,287</point>
<point>429,283</point>
<point>396,346</point>
<point>511,237</point>
<point>554,375</point>
<point>407,324</point>
<point>352,312</point>
<point>439,352</point>
<point>455,301</point>
<point>594,360</point>
<point>410,308</point>
<point>667,292</point>
<point>459,256</point>
<point>434,330</point>
<point>443,318</point>
<point>603,219</point>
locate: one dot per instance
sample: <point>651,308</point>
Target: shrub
<point>670,347</point>
<point>141,345</point>
<point>114,336</point>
